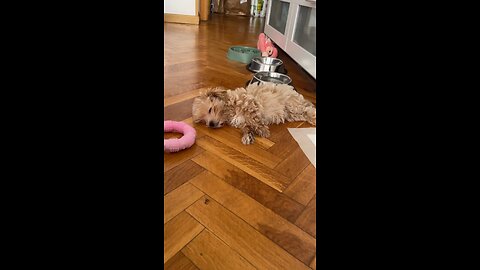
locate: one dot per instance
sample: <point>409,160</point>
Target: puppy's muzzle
<point>214,124</point>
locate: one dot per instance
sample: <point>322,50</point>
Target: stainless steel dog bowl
<point>273,77</point>
<point>265,64</point>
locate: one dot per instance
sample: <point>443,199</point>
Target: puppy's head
<point>209,108</point>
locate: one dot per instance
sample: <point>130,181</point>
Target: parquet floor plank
<point>180,175</point>
<point>308,219</point>
<point>313,264</point>
<point>272,199</point>
<point>178,200</point>
<point>177,233</point>
<point>171,160</point>
<point>288,236</point>
<point>234,141</point>
<point>294,164</point>
<point>182,97</point>
<point>303,188</point>
<point>183,86</point>
<point>260,251</point>
<point>279,132</point>
<point>286,145</point>
<point>264,142</point>
<point>247,164</point>
<point>179,68</point>
<point>178,111</point>
<point>179,262</point>
<point>209,252</point>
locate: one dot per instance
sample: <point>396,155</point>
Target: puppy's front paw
<point>248,138</point>
<point>263,132</point>
<point>237,121</point>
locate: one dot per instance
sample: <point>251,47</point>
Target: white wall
<point>184,7</point>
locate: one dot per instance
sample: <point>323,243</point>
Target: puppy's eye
<point>210,110</point>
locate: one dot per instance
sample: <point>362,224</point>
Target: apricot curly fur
<point>252,109</point>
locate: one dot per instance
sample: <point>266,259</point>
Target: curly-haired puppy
<point>252,109</point>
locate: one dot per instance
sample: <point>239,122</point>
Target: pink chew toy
<point>265,45</point>
<point>186,141</point>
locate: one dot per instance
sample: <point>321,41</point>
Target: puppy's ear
<point>216,92</point>
<point>203,92</point>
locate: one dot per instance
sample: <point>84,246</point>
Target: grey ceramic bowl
<point>265,64</point>
<point>273,77</point>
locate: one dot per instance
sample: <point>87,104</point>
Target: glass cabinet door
<point>292,25</point>
<point>278,15</point>
<point>301,43</point>
<point>305,30</point>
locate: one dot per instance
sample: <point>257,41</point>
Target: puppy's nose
<point>211,124</point>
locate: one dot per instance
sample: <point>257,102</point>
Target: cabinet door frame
<point>285,41</point>
<point>303,57</point>
<point>279,38</point>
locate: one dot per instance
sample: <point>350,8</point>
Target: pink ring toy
<point>186,141</point>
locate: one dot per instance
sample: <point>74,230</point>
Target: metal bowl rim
<point>267,73</point>
<point>254,59</point>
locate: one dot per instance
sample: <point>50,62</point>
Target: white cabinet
<point>292,25</point>
<point>181,11</point>
<point>181,7</point>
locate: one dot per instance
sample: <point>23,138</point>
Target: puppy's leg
<point>305,111</point>
<point>262,131</point>
<point>311,115</point>
<point>238,121</point>
<point>248,137</point>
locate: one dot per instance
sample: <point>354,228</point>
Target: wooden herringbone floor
<point>227,205</point>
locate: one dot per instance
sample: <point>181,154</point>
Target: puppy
<point>252,109</point>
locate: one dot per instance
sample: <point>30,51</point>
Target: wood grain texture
<point>182,97</point>
<point>179,199</point>
<point>263,173</point>
<point>304,187</point>
<point>234,140</point>
<point>260,251</point>
<point>189,121</point>
<point>179,262</point>
<point>285,146</point>
<point>264,143</point>
<point>308,219</point>
<point>294,164</point>
<point>208,252</point>
<point>171,160</point>
<point>192,65</point>
<point>272,199</point>
<point>283,233</point>
<point>180,175</point>
<point>278,132</point>
<point>177,233</point>
<point>313,264</point>
<point>178,111</point>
